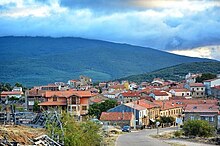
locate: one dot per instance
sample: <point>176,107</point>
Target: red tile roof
<point>130,94</point>
<point>36,92</point>
<point>167,104</point>
<point>195,101</point>
<point>146,104</point>
<point>216,87</point>
<point>5,93</point>
<point>116,116</point>
<point>196,85</point>
<point>202,108</point>
<point>117,87</point>
<point>159,93</point>
<point>136,106</point>
<point>48,103</point>
<point>181,90</point>
<point>68,93</point>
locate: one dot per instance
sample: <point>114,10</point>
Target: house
<point>112,95</point>
<point>181,92</point>
<point>160,95</point>
<point>33,95</point>
<point>197,89</point>
<point>19,89</point>
<point>140,112</point>
<point>73,83</point>
<point>211,83</point>
<point>129,96</point>
<point>9,94</point>
<point>208,112</point>
<point>98,98</point>
<point>153,110</point>
<point>49,87</point>
<point>215,91</point>
<point>116,87</point>
<point>169,108</point>
<point>191,78</point>
<point>157,82</point>
<point>118,118</point>
<point>78,103</point>
<point>75,102</point>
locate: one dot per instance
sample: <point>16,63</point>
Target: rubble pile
<point>19,134</point>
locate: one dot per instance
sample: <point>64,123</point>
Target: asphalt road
<point>142,138</point>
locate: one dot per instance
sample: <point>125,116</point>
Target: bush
<point>165,119</point>
<point>199,128</point>
<point>178,133</point>
<point>76,133</point>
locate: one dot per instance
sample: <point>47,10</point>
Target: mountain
<point>42,60</point>
<point>177,72</point>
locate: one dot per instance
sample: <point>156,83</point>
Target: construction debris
<point>45,140</point>
<point>13,134</point>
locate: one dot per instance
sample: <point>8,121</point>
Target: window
<point>187,93</point>
<point>84,107</point>
<point>197,93</point>
<point>54,98</point>
<point>202,93</point>
<point>211,119</point>
<point>182,94</point>
<point>192,117</point>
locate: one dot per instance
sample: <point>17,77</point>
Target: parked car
<point>96,121</point>
<point>126,129</point>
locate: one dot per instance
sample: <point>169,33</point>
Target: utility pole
<point>134,115</point>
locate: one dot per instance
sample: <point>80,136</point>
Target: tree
<point>199,128</point>
<point>18,85</point>
<point>205,76</point>
<point>97,108</point>
<point>76,133</point>
<point>36,107</point>
<point>165,119</point>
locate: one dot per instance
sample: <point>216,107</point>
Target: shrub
<point>199,128</point>
<point>178,133</point>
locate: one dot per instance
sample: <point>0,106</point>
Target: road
<point>142,138</point>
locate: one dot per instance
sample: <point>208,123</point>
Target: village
<point>160,103</point>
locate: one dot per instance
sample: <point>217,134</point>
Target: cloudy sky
<point>183,27</point>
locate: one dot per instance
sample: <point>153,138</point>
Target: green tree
<point>97,108</point>
<point>199,128</point>
<point>18,85</point>
<point>77,133</point>
<point>205,76</point>
<point>165,119</point>
<point>36,107</point>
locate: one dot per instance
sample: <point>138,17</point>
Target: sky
<point>183,27</point>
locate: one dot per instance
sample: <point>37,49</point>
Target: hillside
<point>42,60</point>
<point>177,72</point>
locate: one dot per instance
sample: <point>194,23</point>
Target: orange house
<point>75,102</point>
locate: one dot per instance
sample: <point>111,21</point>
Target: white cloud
<point>211,52</point>
<point>173,26</point>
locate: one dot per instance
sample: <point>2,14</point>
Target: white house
<point>181,93</point>
<point>211,83</point>
<point>160,95</point>
<point>9,94</point>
